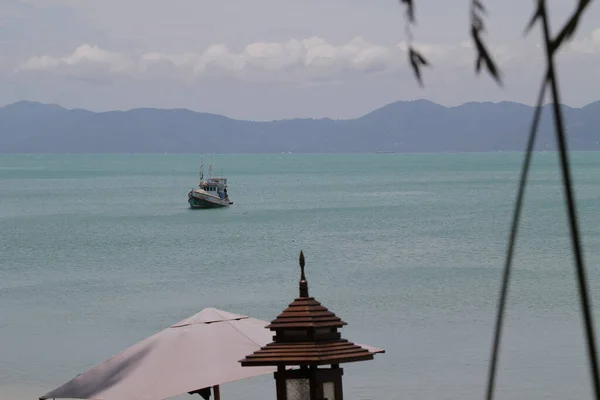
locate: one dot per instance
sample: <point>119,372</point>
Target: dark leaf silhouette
<point>570,27</point>
<point>417,61</point>
<point>410,9</point>
<point>477,4</point>
<point>415,58</point>
<point>484,58</point>
<point>536,15</point>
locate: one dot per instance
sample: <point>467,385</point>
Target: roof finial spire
<point>303,283</point>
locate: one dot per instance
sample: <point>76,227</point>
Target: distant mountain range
<point>403,126</point>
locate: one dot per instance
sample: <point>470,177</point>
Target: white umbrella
<point>200,352</point>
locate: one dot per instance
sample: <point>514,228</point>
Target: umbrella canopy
<point>198,352</point>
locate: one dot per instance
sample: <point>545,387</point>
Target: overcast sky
<point>270,59</point>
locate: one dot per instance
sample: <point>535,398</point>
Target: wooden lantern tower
<point>306,336</point>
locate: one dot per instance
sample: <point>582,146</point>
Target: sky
<point>275,59</point>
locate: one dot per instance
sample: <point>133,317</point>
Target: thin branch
<point>570,200</point>
<point>514,231</point>
<point>550,79</point>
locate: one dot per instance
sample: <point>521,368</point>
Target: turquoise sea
<point>100,251</point>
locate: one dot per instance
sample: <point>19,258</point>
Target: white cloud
<point>588,45</point>
<point>311,59</point>
<point>85,62</point>
<point>301,59</point>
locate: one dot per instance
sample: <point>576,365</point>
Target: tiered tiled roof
<point>306,334</point>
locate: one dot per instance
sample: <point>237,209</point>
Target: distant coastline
<point>418,126</point>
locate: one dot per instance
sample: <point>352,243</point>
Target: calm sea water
<point>99,252</point>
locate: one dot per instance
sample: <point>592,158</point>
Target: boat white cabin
<point>210,193</point>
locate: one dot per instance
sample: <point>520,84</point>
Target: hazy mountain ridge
<point>403,126</point>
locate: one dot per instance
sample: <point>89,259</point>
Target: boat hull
<point>202,201</point>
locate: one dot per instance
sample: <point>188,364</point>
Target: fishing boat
<point>210,193</point>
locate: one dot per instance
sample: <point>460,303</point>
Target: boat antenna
<point>210,170</point>
<point>202,169</point>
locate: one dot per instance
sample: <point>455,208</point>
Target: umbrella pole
<point>217,391</point>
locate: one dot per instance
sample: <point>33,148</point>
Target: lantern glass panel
<point>297,389</point>
<point>329,390</point>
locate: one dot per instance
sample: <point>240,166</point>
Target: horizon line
<point>384,154</point>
